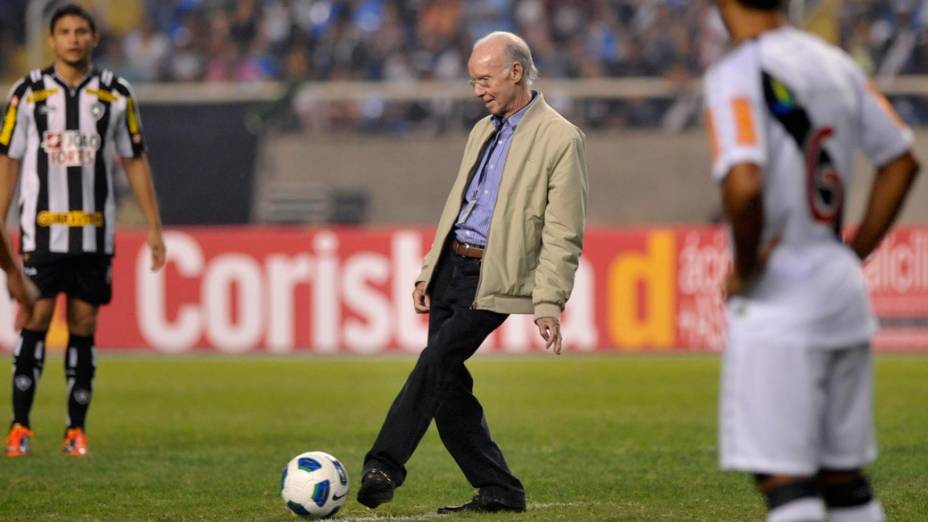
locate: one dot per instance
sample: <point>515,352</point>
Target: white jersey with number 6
<point>798,108</point>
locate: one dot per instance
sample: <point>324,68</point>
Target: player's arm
<point>890,187</point>
<point>743,203</point>
<point>138,171</point>
<point>9,174</point>
<point>12,147</point>
<point>734,115</point>
<point>21,288</point>
<point>130,144</point>
<point>886,141</point>
<point>14,125</point>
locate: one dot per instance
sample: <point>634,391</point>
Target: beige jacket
<point>536,234</point>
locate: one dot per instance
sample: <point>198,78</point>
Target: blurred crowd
<point>294,41</point>
<point>399,40</point>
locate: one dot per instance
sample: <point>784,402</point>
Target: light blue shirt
<point>473,222</point>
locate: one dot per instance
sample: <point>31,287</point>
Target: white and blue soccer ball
<point>314,485</point>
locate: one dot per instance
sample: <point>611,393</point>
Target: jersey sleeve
<point>883,135</point>
<point>14,123</point>
<point>130,140</point>
<point>733,114</point>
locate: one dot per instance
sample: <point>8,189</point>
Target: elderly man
<point>508,242</point>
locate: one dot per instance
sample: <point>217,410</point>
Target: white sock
<point>870,512</point>
<point>805,509</point>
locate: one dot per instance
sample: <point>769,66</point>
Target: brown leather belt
<point>466,249</point>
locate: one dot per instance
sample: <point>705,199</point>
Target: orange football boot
<point>17,441</point>
<point>75,443</point>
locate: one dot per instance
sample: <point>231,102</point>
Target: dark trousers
<point>440,387</point>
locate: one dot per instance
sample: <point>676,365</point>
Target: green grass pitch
<point>593,438</point>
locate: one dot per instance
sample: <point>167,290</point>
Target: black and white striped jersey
<point>66,138</point>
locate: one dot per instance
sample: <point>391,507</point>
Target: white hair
<point>516,50</point>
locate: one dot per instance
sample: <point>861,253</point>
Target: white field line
<point>424,516</point>
<point>433,515</point>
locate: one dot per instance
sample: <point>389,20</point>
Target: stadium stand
<point>405,40</point>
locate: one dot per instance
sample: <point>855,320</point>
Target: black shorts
<point>88,277</point>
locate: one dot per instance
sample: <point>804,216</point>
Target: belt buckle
<point>463,248</point>
<point>467,250</point>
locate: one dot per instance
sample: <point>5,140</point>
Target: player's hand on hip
<point>766,249</point>
<point>156,246</point>
<point>25,293</point>
<point>420,300</point>
<point>738,284</point>
<point>734,285</point>
<point>550,330</point>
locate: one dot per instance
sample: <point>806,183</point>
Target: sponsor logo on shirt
<point>70,148</point>
<point>73,218</point>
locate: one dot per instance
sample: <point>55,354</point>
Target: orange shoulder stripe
<point>745,131</point>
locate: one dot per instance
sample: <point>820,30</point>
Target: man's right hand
<point>24,291</point>
<point>420,299</point>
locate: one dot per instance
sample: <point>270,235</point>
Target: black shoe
<point>483,504</point>
<point>376,488</point>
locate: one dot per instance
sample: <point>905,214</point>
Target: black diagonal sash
<point>785,108</point>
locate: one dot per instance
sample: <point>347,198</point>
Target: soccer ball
<point>314,485</point>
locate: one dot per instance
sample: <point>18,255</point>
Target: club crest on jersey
<point>70,148</point>
<point>97,110</point>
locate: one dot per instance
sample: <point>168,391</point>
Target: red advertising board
<point>347,291</point>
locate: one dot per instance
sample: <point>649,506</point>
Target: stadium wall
<point>636,176</point>
<point>240,290</point>
<point>202,157</point>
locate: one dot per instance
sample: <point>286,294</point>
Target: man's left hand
<point>550,330</point>
<point>156,245</point>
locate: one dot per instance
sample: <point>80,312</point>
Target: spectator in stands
<point>146,52</point>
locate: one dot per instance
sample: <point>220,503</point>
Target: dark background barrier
<point>203,158</point>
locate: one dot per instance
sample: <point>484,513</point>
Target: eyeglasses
<point>485,80</point>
